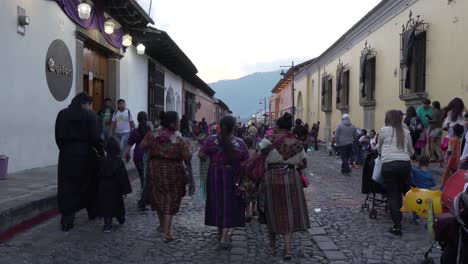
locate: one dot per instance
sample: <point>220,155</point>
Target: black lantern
<point>198,105</point>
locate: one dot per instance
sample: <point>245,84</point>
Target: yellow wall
<point>300,86</point>
<point>446,63</point>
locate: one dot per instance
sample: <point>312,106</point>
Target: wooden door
<point>98,94</point>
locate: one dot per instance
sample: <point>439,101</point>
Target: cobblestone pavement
<point>137,241</point>
<point>359,238</point>
<point>340,233</point>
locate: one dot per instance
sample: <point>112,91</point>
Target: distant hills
<point>244,94</point>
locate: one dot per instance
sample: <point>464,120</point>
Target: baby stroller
<point>376,197</point>
<point>450,229</point>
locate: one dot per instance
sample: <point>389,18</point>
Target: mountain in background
<point>244,94</point>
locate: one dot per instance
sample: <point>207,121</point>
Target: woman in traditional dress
<point>285,206</point>
<point>225,206</point>
<point>167,153</point>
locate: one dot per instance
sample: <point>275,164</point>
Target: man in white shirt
<point>122,121</point>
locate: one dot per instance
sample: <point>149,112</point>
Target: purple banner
<point>95,21</point>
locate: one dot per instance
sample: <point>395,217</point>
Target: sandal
<point>167,239</point>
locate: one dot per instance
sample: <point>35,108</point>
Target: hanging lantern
<point>126,40</point>
<point>84,10</point>
<point>109,27</point>
<point>141,49</point>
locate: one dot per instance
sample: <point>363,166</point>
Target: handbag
<point>305,181</point>
<point>377,173</point>
<point>445,144</point>
<point>254,167</point>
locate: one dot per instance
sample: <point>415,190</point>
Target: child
<point>422,178</point>
<point>332,146</point>
<point>453,153</point>
<point>365,146</point>
<point>113,185</point>
<point>252,188</point>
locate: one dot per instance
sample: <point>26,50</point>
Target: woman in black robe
<point>113,185</point>
<point>77,138</point>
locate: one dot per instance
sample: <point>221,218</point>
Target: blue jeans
<point>123,139</point>
<point>345,153</point>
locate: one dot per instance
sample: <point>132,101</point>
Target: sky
<point>230,39</point>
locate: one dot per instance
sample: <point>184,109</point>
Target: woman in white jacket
<point>395,147</point>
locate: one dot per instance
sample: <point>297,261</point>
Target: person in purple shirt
<point>135,138</point>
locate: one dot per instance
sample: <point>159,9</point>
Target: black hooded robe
<point>76,135</point>
<point>113,184</point>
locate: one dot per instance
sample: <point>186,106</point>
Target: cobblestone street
<point>340,233</point>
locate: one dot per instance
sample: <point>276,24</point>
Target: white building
<point>58,54</point>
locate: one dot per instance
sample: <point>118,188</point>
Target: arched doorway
<point>178,108</point>
<point>300,108</point>
<point>170,100</point>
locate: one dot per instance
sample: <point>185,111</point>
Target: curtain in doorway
<point>95,21</point>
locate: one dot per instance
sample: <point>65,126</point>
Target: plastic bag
<point>377,174</point>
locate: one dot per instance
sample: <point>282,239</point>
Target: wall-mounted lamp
<point>84,10</point>
<point>23,21</point>
<point>109,26</point>
<point>126,40</point>
<point>140,49</point>
<point>198,105</point>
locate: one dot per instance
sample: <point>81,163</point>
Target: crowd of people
<point>94,149</point>
<point>92,173</point>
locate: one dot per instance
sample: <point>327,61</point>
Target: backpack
<point>415,127</point>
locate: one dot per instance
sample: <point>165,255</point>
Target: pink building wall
<point>207,108</point>
<point>285,104</point>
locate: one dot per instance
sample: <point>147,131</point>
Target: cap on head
<point>345,116</point>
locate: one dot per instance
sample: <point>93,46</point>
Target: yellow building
<point>401,52</point>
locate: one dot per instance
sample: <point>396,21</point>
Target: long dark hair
<point>456,106</point>
<point>168,118</point>
<point>411,111</point>
<point>143,127</point>
<point>393,119</point>
<point>227,125</point>
<point>285,122</point>
<point>436,105</point>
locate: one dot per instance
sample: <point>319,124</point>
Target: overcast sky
<point>227,39</point>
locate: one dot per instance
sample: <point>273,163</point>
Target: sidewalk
<point>29,197</point>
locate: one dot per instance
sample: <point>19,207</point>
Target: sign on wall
<point>59,70</point>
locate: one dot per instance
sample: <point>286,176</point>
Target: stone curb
<point>28,208</point>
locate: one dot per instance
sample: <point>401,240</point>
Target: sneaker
<point>121,220</point>
<point>395,231</point>
<point>107,228</point>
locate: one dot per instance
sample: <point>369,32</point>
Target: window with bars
<point>367,76</point>
<point>370,80</point>
<point>342,88</point>
<point>155,92</point>
<point>413,45</point>
<point>327,83</point>
<point>413,77</point>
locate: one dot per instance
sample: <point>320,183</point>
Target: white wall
<point>29,111</point>
<point>134,81</point>
<point>175,82</point>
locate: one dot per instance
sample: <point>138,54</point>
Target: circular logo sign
<point>59,70</point>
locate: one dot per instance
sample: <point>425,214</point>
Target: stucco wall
<point>286,99</point>
<point>207,109</point>
<point>134,81</point>
<point>174,82</point>
<point>446,62</point>
<point>300,87</point>
<point>29,111</point>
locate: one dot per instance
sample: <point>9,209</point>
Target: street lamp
<point>265,108</point>
<point>292,85</point>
